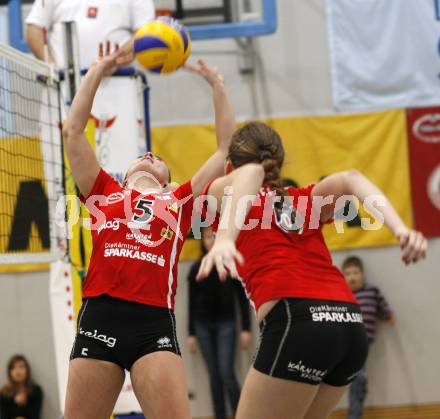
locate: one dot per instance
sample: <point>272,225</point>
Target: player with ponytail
<point>313,341</point>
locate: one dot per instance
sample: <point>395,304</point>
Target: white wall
<point>26,328</point>
<point>403,365</point>
<point>292,73</point>
<point>292,77</point>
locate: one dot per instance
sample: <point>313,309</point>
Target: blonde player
<point>313,341</point>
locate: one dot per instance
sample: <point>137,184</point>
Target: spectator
<point>115,21</point>
<point>373,307</point>
<point>212,324</point>
<point>20,398</point>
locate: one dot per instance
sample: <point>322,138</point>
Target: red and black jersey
<point>137,239</point>
<point>285,259</point>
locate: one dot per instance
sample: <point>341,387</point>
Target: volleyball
<point>162,45</point>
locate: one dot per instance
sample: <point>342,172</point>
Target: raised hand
<point>223,256</point>
<point>109,61</point>
<point>210,74</point>
<point>413,245</point>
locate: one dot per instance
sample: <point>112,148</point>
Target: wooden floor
<point>427,411</point>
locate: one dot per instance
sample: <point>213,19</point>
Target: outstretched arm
<point>242,182</point>
<point>352,182</point>
<point>224,127</point>
<point>83,162</point>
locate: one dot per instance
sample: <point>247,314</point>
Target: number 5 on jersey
<point>145,211</point>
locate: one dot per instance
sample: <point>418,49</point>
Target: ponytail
<point>272,177</point>
<point>257,142</point>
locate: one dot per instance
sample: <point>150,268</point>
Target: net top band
<point>27,61</point>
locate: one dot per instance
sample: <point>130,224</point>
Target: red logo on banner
<point>427,128</point>
<point>424,154</point>
<point>434,187</point>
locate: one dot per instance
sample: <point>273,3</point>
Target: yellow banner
<point>24,226</point>
<point>374,143</point>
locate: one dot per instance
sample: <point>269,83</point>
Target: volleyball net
<point>31,161</point>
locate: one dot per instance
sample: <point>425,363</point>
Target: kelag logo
<point>427,128</point>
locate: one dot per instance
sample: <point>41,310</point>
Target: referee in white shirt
<point>96,21</point>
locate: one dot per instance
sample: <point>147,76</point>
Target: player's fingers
<point>100,50</point>
<point>403,237</point>
<point>200,271</point>
<point>116,47</point>
<point>190,67</point>
<point>239,257</point>
<point>205,268</point>
<point>107,48</point>
<point>418,248</point>
<point>232,268</point>
<point>220,267</point>
<point>210,265</point>
<point>404,240</point>
<point>410,246</point>
<point>194,69</point>
<point>233,257</point>
<point>422,247</point>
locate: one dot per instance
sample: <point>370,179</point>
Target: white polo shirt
<point>96,21</point>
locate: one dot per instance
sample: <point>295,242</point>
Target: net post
<point>72,70</point>
<point>63,171</point>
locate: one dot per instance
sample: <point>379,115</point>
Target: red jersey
<point>281,262</point>
<point>137,239</point>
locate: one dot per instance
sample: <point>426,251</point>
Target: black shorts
<point>312,341</point>
<point>119,331</point>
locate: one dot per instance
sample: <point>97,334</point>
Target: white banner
<point>120,137</point>
<point>384,53</point>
